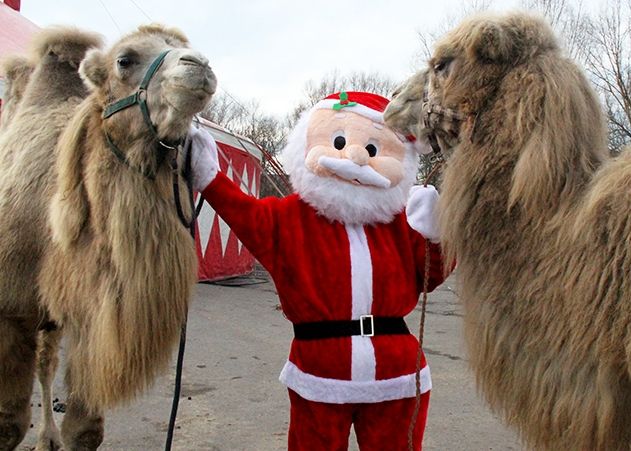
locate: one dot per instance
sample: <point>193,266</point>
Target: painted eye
<point>124,62</point>
<point>339,142</point>
<point>372,149</point>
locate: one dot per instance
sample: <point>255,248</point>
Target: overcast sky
<point>269,49</point>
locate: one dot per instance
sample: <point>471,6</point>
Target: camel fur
<point>88,241</point>
<point>537,216</point>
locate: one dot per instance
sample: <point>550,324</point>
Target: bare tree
<point>245,118</point>
<point>315,91</point>
<point>608,62</point>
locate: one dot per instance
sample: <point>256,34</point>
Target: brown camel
<point>537,216</point>
<point>90,241</point>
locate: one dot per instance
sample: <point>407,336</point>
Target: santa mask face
<point>353,148</point>
<point>346,164</point>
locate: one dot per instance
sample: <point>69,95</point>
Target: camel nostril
<point>193,60</point>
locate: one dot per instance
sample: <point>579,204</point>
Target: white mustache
<point>351,171</point>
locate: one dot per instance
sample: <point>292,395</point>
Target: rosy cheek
<point>314,154</point>
<point>389,167</point>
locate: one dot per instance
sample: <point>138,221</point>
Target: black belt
<point>366,326</point>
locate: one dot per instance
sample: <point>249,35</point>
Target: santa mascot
<point>348,262</point>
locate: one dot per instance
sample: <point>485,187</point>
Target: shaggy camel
<point>90,235</point>
<point>537,216</point>
<point>16,71</point>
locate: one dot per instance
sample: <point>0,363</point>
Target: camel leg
<point>17,371</point>
<point>47,359</point>
<point>81,429</point>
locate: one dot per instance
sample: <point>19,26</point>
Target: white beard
<point>339,200</point>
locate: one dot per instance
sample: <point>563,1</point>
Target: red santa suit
<point>325,271</point>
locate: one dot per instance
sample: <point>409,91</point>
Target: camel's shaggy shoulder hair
<point>537,216</point>
<point>95,231</point>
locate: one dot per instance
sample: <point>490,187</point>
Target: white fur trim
<point>204,158</point>
<point>363,363</point>
<point>336,391</point>
<point>374,115</point>
<point>351,171</point>
<point>361,271</point>
<point>421,212</point>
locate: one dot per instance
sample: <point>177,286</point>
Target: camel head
<point>154,65</point>
<point>466,74</point>
<point>404,111</point>
<point>500,93</point>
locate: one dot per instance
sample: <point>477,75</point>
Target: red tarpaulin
<point>15,31</point>
<point>221,254</point>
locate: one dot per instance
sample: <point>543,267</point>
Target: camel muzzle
<point>438,121</point>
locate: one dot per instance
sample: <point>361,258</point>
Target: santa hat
<point>367,104</point>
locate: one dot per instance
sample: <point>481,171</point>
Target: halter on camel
<point>140,98</point>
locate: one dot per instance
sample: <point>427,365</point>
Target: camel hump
<point>69,44</point>
<point>15,66</point>
<point>160,29</point>
<point>503,38</point>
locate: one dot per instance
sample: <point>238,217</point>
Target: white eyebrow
<point>377,125</point>
<point>340,115</point>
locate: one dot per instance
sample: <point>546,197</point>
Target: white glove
<point>204,159</point>
<point>421,211</point>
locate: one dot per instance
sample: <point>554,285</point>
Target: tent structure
<point>221,255</point>
<point>15,32</point>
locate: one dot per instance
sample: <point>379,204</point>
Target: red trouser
<point>383,426</point>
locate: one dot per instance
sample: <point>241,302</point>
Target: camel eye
<point>124,62</point>
<point>441,65</point>
<point>339,141</point>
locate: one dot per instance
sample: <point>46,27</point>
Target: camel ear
<point>93,69</point>
<point>69,207</point>
<point>490,43</point>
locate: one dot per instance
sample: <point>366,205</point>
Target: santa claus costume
<point>348,264</point>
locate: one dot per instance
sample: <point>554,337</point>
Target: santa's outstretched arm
<point>252,220</point>
<point>422,217</point>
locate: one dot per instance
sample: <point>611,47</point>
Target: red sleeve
<point>252,220</point>
<point>437,271</point>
